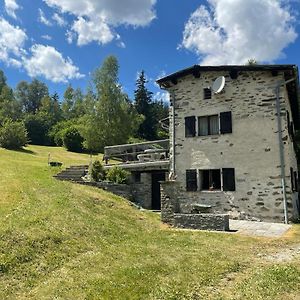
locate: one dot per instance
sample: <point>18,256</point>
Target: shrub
<point>72,139</point>
<point>117,175</point>
<point>97,171</point>
<point>13,135</point>
<point>37,127</point>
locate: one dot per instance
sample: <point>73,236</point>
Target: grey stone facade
<point>252,148</point>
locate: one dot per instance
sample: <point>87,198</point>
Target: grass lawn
<point>60,240</point>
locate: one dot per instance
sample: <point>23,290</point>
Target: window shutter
<point>228,179</point>
<point>288,122</point>
<point>191,180</point>
<point>226,122</point>
<point>292,179</point>
<point>296,181</point>
<point>190,126</point>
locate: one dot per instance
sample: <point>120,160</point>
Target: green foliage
<point>72,139</point>
<point>153,111</point>
<point>13,135</point>
<point>97,171</point>
<point>117,175</point>
<point>9,107</point>
<point>38,126</point>
<point>30,95</point>
<point>113,118</point>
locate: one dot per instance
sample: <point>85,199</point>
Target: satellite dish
<point>218,85</point>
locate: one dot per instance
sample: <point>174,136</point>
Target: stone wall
<point>142,191</point>
<point>122,190</point>
<point>202,221</point>
<point>252,149</point>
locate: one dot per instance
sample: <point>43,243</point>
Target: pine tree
<point>143,105</point>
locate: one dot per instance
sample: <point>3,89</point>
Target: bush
<point>37,127</point>
<point>72,139</point>
<point>97,171</point>
<point>13,135</point>
<point>117,175</point>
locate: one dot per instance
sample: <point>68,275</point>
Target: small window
<point>228,177</point>
<point>207,93</point>
<point>190,126</point>
<point>208,125</point>
<point>191,180</point>
<point>210,180</point>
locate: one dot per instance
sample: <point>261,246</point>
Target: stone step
<point>73,173</point>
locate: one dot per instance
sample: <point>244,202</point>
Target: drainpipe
<point>281,147</point>
<point>172,175</point>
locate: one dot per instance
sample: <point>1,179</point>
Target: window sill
<point>210,192</point>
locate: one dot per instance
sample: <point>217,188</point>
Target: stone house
<point>232,149</point>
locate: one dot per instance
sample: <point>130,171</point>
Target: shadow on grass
<point>23,150</point>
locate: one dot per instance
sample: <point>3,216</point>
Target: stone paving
<point>259,228</point>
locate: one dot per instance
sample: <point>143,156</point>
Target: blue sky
<point>63,41</point>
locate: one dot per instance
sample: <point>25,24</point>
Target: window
<point>208,125</point>
<point>207,93</point>
<point>210,180</point>
<point>191,180</point>
<point>190,126</point>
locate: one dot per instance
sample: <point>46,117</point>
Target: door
<point>156,177</point>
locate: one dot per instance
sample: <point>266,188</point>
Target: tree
<point>110,122</point>
<point>160,110</point>
<point>9,107</point>
<point>31,94</point>
<point>143,105</point>
<point>13,135</point>
<point>2,80</point>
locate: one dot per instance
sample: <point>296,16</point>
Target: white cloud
<point>70,36</point>
<point>12,39</point>
<point>42,18</point>
<point>89,31</point>
<point>47,37</point>
<point>59,20</point>
<point>164,96</point>
<point>231,32</point>
<point>96,19</point>
<point>11,6</point>
<point>48,62</point>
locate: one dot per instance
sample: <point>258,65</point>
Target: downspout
<point>281,147</point>
<point>172,175</point>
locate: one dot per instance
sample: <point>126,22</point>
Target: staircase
<point>73,173</point>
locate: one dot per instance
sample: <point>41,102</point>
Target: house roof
<point>290,71</point>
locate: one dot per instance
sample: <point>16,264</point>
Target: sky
<point>61,42</point>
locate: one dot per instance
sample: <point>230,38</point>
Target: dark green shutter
<point>190,126</point>
<point>191,180</point>
<point>228,179</point>
<point>226,122</point>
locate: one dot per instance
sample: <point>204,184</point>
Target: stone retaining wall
<point>202,221</point>
<point>122,190</point>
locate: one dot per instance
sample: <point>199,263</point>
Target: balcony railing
<point>139,152</point>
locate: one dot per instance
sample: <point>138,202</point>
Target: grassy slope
<point>60,240</point>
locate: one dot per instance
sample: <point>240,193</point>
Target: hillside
<point>60,240</point>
